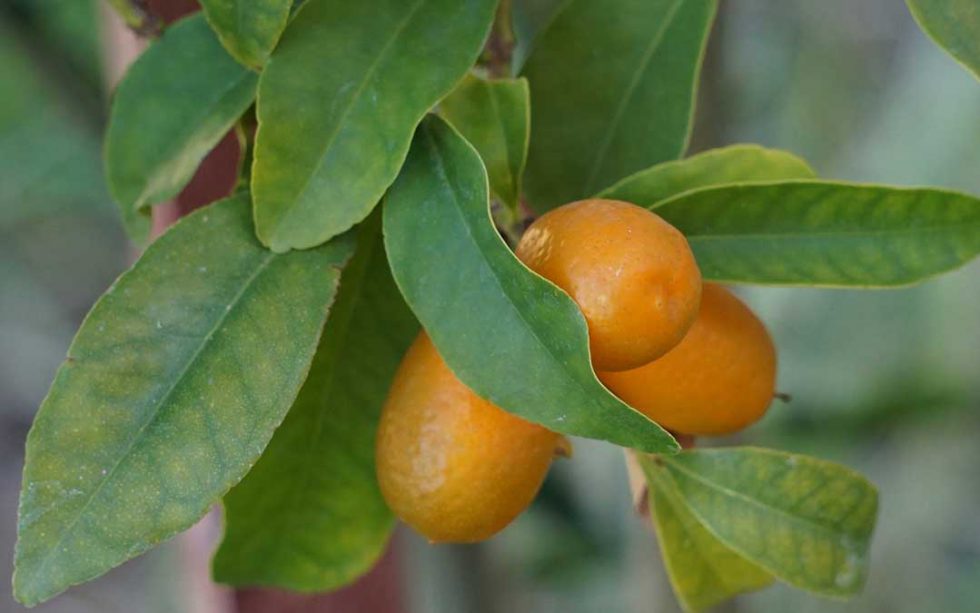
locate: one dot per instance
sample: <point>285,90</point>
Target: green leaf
<point>612,85</point>
<point>172,107</point>
<point>249,29</point>
<point>310,516</point>
<point>824,233</point>
<point>806,521</point>
<point>954,25</point>
<point>494,116</point>
<point>511,336</point>
<point>339,100</point>
<point>528,19</point>
<point>171,390</point>
<point>703,571</point>
<point>734,164</point>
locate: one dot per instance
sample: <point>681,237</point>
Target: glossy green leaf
<point>494,116</point>
<point>703,571</point>
<point>954,25</point>
<point>510,335</point>
<point>310,516</point>
<point>339,100</point>
<point>171,390</point>
<point>612,91</point>
<point>825,233</point>
<point>734,164</point>
<point>806,521</point>
<point>172,107</point>
<point>249,29</point>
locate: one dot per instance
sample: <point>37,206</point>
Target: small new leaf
<point>511,336</point>
<point>806,521</point>
<point>171,390</point>
<point>172,107</point>
<point>494,116</point>
<point>825,233</point>
<point>249,29</point>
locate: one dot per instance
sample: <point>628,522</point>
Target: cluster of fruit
<point>690,356</point>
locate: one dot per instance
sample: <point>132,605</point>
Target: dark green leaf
<point>612,91</point>
<point>529,18</point>
<point>309,516</point>
<point>954,25</point>
<point>514,338</point>
<point>825,233</point>
<point>249,29</point>
<point>339,100</point>
<point>734,164</point>
<point>703,571</point>
<point>171,390</point>
<point>173,106</point>
<point>806,521</point>
<point>494,116</point>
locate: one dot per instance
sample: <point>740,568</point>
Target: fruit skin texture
<point>452,465</point>
<point>632,274</point>
<point>718,380</point>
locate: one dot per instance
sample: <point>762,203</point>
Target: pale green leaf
<point>511,336</point>
<point>733,164</point>
<point>806,521</point>
<point>171,390</point>
<point>310,516</point>
<point>703,571</point>
<point>339,101</point>
<point>249,29</point>
<point>825,233</point>
<point>612,92</point>
<point>954,25</point>
<point>172,107</point>
<point>494,116</point>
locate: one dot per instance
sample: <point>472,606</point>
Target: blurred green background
<point>887,382</point>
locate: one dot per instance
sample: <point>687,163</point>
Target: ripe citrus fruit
<point>718,380</point>
<point>452,465</point>
<point>632,274</point>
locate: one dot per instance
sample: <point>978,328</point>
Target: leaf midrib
<point>624,102</point>
<point>156,411</point>
<point>730,493</point>
<point>368,76</point>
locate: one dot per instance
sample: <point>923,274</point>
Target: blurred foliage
<point>884,381</point>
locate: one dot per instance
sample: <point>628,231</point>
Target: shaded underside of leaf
<point>494,116</point>
<point>172,107</point>
<point>339,100</point>
<point>249,29</point>
<point>612,90</point>
<point>511,336</point>
<point>954,25</point>
<point>309,516</point>
<point>806,521</point>
<point>703,571</point>
<point>171,390</point>
<point>825,233</point>
<point>732,164</point>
